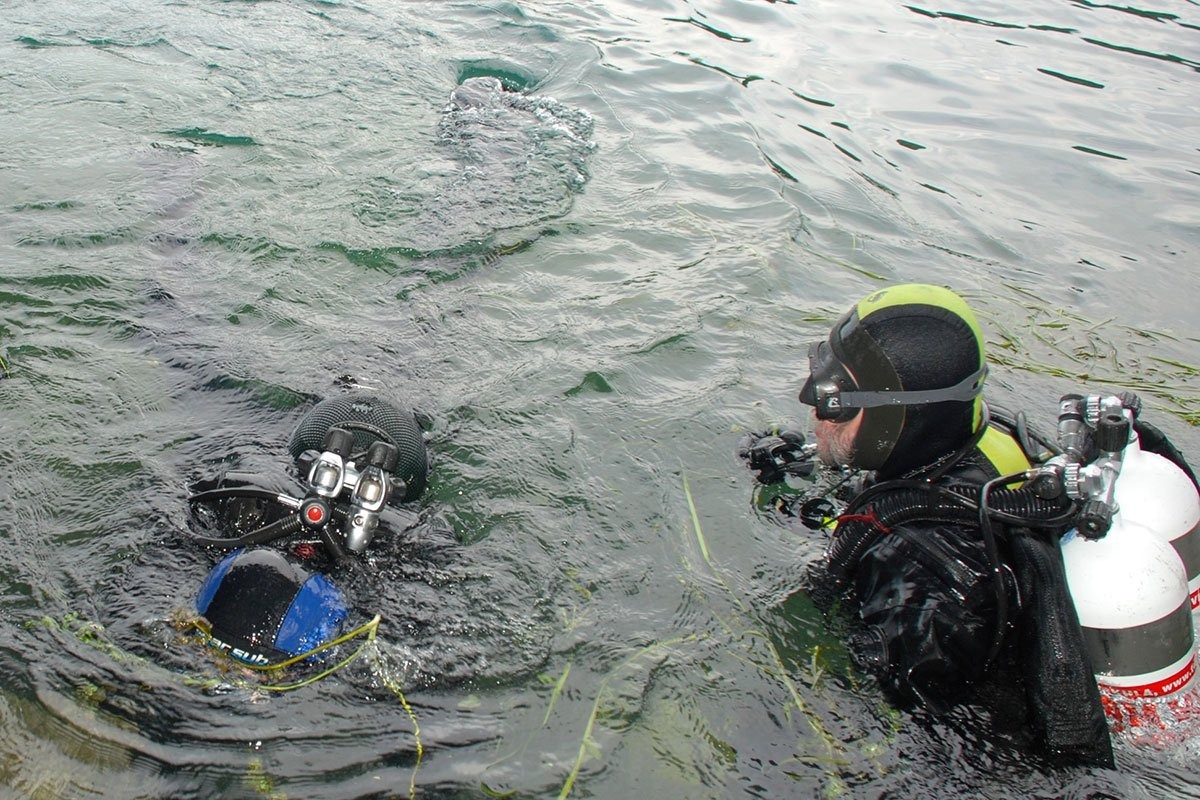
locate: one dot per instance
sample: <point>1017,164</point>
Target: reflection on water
<point>590,243</point>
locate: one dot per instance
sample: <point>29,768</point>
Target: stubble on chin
<point>835,443</point>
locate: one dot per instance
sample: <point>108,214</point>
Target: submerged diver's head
<point>898,383</point>
<point>263,608</point>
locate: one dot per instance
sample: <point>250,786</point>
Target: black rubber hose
<point>993,554</point>
<point>332,546</point>
<point>893,503</point>
<point>252,492</point>
<point>276,530</point>
<point>1027,436</point>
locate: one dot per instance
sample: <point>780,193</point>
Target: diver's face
<point>835,440</point>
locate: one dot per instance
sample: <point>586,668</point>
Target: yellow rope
<point>369,628</point>
<point>396,690</point>
<point>93,635</point>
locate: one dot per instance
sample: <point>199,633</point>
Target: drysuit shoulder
<point>928,607</point>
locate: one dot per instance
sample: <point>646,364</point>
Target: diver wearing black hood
<point>906,367</point>
<point>897,391</point>
<point>359,459</point>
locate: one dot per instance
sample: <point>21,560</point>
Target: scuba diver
<point>945,529</point>
<point>359,459</point>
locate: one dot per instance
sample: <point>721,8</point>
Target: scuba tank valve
<point>370,494</point>
<point>327,475</point>
<point>333,473</point>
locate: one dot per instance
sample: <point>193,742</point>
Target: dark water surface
<point>212,213</point>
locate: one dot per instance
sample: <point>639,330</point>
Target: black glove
<point>773,455</point>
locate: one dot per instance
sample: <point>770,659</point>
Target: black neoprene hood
<point>910,359</point>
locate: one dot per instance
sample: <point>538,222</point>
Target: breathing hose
<point>291,524</point>
<point>890,503</point>
<point>276,530</point>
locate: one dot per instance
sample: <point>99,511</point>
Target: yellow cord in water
<point>93,635</point>
<point>412,716</point>
<point>369,628</point>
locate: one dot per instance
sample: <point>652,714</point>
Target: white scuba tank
<point>1131,594</point>
<point>1154,492</point>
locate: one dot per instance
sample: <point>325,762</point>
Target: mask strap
<point>967,389</point>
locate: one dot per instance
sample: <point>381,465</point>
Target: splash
<point>522,160</point>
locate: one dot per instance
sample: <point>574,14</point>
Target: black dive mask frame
<point>832,391</point>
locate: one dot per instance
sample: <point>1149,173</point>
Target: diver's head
<point>898,383</point>
<point>264,608</point>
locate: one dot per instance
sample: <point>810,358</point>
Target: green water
<point>212,213</point>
